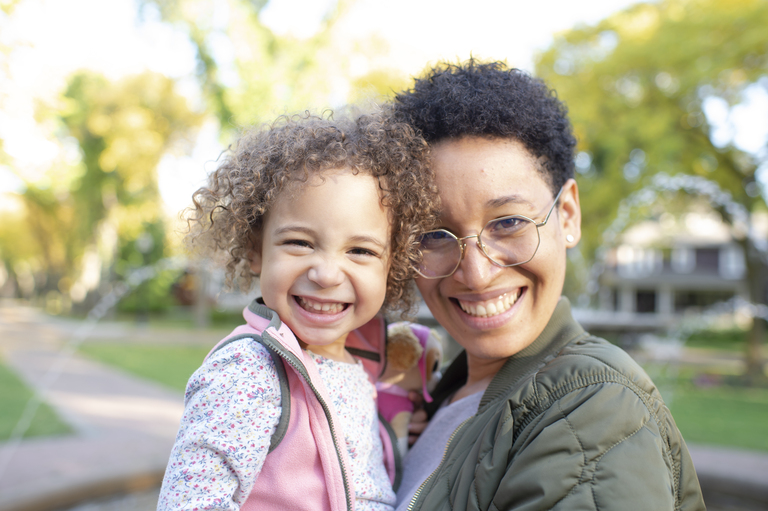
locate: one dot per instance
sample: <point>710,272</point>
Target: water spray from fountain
<point>737,215</point>
<point>693,185</point>
<point>83,332</point>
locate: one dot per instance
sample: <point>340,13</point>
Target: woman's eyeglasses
<point>506,241</point>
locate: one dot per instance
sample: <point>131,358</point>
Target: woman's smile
<point>492,307</point>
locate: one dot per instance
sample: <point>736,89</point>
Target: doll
<point>414,354</point>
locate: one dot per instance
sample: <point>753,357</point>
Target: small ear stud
<point>569,238</point>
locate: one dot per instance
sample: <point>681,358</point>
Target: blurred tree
<point>249,74</point>
<point>378,84</point>
<point>639,85</point>
<point>7,6</point>
<point>111,199</point>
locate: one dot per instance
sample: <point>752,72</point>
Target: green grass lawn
<point>14,396</point>
<point>714,408</point>
<point>724,415</point>
<point>170,365</point>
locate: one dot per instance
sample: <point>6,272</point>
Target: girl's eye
<point>363,251</point>
<point>297,243</point>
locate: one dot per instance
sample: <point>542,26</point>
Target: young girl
<point>281,415</point>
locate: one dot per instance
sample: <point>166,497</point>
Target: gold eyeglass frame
<point>481,245</point>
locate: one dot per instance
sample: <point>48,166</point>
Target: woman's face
<point>479,180</point>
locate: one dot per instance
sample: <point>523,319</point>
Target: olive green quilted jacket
<point>569,423</point>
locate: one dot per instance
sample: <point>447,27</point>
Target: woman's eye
<point>506,225</point>
<point>436,240</point>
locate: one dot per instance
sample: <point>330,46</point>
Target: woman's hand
<point>419,418</point>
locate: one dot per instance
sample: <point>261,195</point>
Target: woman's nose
<point>326,272</point>
<point>475,270</point>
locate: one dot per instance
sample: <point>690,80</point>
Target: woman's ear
<point>570,213</point>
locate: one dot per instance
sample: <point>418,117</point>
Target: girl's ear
<point>254,257</point>
<point>570,213</point>
<point>255,262</point>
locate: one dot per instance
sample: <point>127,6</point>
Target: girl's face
<point>480,180</point>
<point>325,256</point>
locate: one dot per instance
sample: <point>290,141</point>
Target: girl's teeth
<point>313,306</point>
<point>490,307</point>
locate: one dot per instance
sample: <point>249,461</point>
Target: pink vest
<point>308,470</point>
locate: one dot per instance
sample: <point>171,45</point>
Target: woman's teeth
<point>320,307</point>
<point>490,308</point>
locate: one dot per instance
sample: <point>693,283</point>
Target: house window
<point>634,262</point>
<point>683,260</point>
<point>732,264</point>
<point>708,259</point>
<point>645,301</point>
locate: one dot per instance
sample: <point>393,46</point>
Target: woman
<point>536,413</point>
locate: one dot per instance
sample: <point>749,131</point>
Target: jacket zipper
<point>303,372</point>
<point>445,452</point>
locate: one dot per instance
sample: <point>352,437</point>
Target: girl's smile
<point>320,307</point>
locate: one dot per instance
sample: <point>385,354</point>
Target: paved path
<point>125,426</point>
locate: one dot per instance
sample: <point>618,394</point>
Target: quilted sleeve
<point>604,446</point>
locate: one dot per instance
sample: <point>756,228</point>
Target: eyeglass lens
<point>510,240</point>
<point>441,253</point>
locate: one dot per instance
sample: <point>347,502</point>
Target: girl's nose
<point>326,273</point>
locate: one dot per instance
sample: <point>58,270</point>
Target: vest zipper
<point>445,452</point>
<point>303,372</point>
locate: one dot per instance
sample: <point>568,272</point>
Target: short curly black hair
<point>492,100</point>
<point>228,214</point>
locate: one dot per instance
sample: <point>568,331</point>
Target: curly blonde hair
<point>228,213</point>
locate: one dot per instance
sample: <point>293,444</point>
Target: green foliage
<point>123,130</point>
<point>17,242</point>
<point>153,295</point>
<point>7,6</point>
<point>110,199</point>
<point>169,365</point>
<point>270,74</point>
<point>635,84</point>
<point>14,396</point>
<point>378,85</point>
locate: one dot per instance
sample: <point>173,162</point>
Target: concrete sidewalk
<point>125,426</point>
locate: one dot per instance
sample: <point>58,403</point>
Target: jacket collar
<point>261,317</point>
<point>560,330</point>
